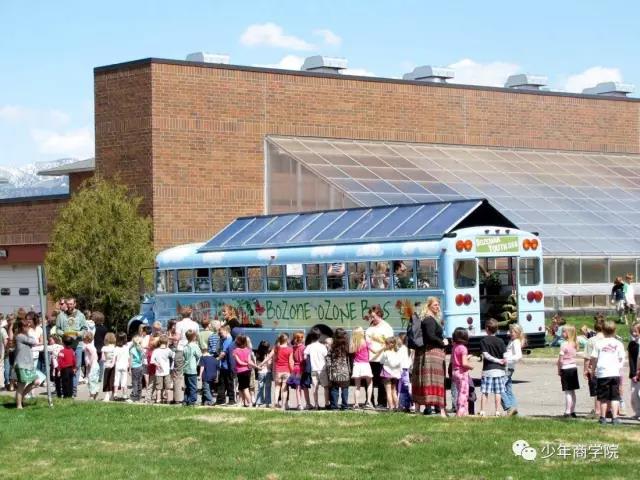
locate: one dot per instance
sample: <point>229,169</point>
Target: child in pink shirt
<point>282,366</point>
<point>568,370</point>
<point>243,365</point>
<point>460,370</point>
<point>359,348</point>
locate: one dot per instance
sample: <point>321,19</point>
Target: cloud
<point>267,254</point>
<point>361,72</point>
<point>212,257</point>
<point>328,37</point>
<point>322,252</point>
<point>492,74</point>
<point>177,254</point>
<point>591,77</point>
<point>369,250</point>
<point>72,143</point>
<point>15,114</point>
<point>288,62</point>
<point>272,35</point>
<point>410,248</point>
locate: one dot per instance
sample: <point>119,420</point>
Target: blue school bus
<point>295,271</point>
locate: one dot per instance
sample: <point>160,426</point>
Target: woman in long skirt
<point>429,364</point>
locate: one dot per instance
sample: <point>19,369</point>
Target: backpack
<point>414,332</point>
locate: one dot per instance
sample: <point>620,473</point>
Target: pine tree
<point>99,248</point>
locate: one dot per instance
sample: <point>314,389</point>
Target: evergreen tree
<point>100,246</point>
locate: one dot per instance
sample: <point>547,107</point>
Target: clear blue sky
<point>49,49</point>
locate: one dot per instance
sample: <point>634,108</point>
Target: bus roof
<point>385,223</point>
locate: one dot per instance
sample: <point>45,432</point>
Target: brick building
<point>204,143</point>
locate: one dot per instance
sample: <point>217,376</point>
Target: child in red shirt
<point>67,366</point>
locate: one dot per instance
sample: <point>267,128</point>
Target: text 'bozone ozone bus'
<point>295,271</point>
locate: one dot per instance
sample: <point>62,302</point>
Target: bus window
<point>237,280</point>
<point>203,284</point>
<point>254,279</point>
<point>529,271</point>
<point>274,278</point>
<point>403,274</point>
<point>161,281</point>
<point>315,278</point>
<point>185,281</point>
<point>171,281</point>
<point>294,277</point>
<point>219,279</point>
<point>465,273</point>
<point>379,275</point>
<point>358,276</point>
<point>427,273</point>
<point>335,274</point>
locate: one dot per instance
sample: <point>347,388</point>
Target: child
<point>460,368</point>
<point>151,368</point>
<point>109,362</point>
<point>297,366</point>
<point>558,338</point>
<point>226,384</point>
<point>359,348</point>
<point>281,368</point>
<point>338,369</point>
<point>192,354</point>
<point>24,366</point>
<point>629,298</point>
<point>598,326</point>
<point>243,365</point>
<point>264,358</point>
<point>136,359</point>
<point>316,354</point>
<point>568,371</point>
<point>633,351</point>
<point>404,384</point>
<point>617,298</point>
<point>121,355</point>
<point>54,348</point>
<point>493,374</point>
<point>607,360</point>
<point>67,366</point>
<point>512,355</point>
<point>161,359</point>
<point>391,371</point>
<point>208,376</point>
<point>91,364</point>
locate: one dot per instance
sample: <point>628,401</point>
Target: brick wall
<point>200,129</point>
<point>28,222</point>
<point>77,179</point>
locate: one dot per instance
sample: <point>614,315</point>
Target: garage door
<point>18,288</point>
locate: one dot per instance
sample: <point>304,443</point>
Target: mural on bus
<point>293,312</point>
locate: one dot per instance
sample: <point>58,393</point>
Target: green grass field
<point>96,440</point>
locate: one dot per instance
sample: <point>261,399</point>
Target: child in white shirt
<point>161,358</point>
<point>121,354</point>
<point>607,359</point>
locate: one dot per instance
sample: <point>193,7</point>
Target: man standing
<point>72,322</point>
<point>184,325</point>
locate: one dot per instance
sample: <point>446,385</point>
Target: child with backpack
<point>391,371</point>
<point>297,362</point>
<point>460,368</point>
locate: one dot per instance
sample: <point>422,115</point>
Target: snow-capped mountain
<point>25,182</point>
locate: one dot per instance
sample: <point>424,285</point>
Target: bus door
<point>498,290</point>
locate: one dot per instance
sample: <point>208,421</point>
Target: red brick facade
<point>190,137</point>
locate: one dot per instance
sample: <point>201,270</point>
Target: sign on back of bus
<point>495,244</point>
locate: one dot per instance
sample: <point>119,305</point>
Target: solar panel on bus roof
<point>384,223</point>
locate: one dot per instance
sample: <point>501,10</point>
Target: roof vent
<point>427,73</point>
<point>525,81</point>
<point>205,57</point>
<point>613,89</point>
<point>321,64</point>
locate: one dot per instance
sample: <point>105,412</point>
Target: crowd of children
<point>220,362</point>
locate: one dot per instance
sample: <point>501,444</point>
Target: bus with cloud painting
<point>296,271</point>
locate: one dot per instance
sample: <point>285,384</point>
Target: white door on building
<point>18,288</point>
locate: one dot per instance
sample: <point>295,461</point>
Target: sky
<point>48,49</point>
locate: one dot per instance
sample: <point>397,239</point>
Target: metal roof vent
<point>613,89</point>
<point>427,73</point>
<point>322,64</point>
<point>205,57</point>
<point>525,81</point>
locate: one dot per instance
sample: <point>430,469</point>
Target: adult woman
<point>25,371</point>
<point>429,363</point>
<point>230,316</point>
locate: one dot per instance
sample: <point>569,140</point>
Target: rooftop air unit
<point>322,64</point>
<point>525,81</point>
<point>205,57</point>
<point>613,89</point>
<point>427,73</point>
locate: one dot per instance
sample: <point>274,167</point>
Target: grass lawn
<point>97,440</point>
